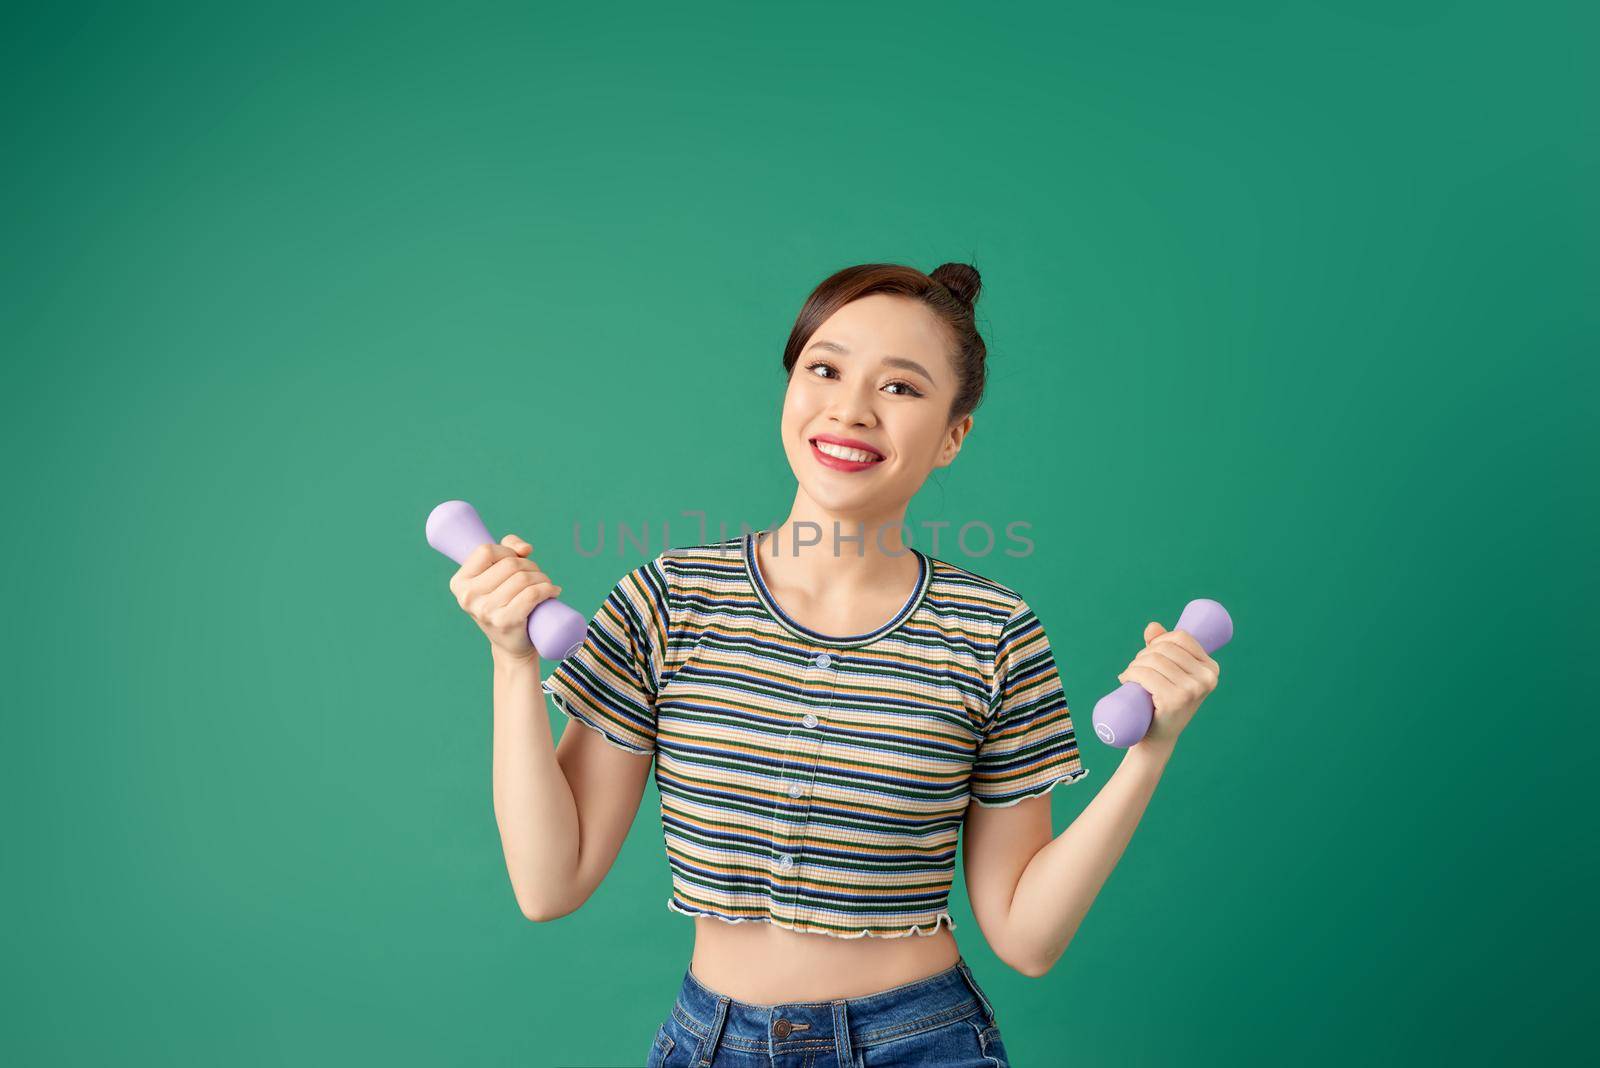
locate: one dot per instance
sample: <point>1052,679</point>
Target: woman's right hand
<point>498,589</point>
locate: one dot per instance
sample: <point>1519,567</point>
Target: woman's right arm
<point>563,821</point>
<point>533,803</point>
<point>563,811</point>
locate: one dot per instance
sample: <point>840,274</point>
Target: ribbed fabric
<point>818,782</point>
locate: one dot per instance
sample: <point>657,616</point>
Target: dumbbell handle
<point>1122,717</point>
<point>555,629</point>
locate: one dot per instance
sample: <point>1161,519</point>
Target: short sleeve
<point>610,682</point>
<point>1029,746</point>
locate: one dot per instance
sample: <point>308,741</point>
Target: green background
<point>1292,305</point>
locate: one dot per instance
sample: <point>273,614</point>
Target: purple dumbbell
<point>1123,716</point>
<point>455,529</point>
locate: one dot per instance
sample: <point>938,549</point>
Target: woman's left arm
<point>1062,880</point>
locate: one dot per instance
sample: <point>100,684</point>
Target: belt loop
<point>841,1029</point>
<point>708,1048</point>
<point>988,1010</point>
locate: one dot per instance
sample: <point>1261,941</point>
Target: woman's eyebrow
<point>910,365</point>
<point>891,361</point>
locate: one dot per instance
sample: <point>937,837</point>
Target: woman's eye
<point>910,390</point>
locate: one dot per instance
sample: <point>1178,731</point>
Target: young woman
<point>828,709</point>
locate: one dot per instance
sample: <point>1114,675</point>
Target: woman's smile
<point>839,457</point>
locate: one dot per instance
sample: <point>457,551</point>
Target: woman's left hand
<point>1179,675</point>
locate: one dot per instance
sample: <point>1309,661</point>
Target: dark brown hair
<point>951,291</point>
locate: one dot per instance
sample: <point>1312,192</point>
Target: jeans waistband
<point>841,1024</point>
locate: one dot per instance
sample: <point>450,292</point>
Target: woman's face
<point>878,372</point>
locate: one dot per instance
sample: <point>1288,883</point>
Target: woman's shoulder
<point>967,589</point>
<point>701,566</point>
<point>683,562</point>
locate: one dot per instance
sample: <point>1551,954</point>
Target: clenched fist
<point>1178,673</point>
<point>499,589</point>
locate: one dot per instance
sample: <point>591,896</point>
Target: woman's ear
<point>958,434</point>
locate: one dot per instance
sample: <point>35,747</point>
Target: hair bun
<point>961,279</point>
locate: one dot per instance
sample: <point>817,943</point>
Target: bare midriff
<point>764,964</point>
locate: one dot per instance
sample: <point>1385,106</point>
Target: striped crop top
<point>819,783</point>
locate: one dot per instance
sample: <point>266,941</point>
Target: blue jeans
<point>943,1020</point>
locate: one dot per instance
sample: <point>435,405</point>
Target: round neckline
<point>770,603</point>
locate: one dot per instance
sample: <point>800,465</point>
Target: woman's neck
<point>834,561</point>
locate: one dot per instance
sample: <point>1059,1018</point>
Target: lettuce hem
<point>560,702</point>
<point>915,929</point>
<point>1070,777</point>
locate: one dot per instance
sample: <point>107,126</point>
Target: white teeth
<point>846,454</point>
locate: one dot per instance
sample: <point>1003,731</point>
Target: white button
<point>809,720</point>
<point>786,862</point>
<point>794,789</point>
<point>823,660</point>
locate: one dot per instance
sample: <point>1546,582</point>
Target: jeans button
<point>782,1028</point>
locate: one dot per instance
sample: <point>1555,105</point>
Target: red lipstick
<point>835,462</point>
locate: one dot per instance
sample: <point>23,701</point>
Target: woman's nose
<point>853,410</point>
